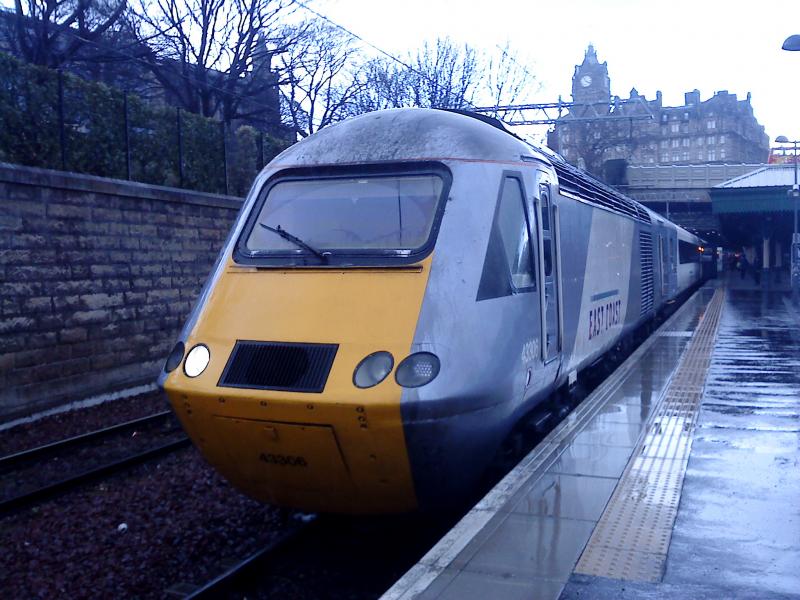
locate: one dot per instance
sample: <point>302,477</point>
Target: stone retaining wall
<point>96,279</point>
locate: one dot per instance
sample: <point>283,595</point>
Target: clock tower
<point>590,83</point>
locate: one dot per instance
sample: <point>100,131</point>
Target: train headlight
<point>175,357</point>
<point>417,369</point>
<point>373,369</point>
<point>196,361</point>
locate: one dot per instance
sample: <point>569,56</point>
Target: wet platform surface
<point>736,531</point>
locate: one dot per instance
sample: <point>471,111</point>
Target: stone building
<point>719,130</point>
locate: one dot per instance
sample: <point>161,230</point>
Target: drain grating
<point>632,538</point>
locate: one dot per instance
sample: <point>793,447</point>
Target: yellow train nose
<point>278,410</point>
<point>341,457</point>
<point>284,463</point>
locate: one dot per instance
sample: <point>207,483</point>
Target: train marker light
<point>175,357</point>
<point>373,369</point>
<point>417,369</point>
<point>197,360</point>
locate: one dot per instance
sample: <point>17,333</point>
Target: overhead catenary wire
<point>389,55</point>
<point>514,60</point>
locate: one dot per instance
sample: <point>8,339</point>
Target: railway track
<point>239,573</point>
<point>327,557</point>
<point>25,474</point>
<point>9,461</point>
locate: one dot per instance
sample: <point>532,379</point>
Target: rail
<point>14,459</point>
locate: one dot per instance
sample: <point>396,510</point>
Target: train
<point>398,291</point>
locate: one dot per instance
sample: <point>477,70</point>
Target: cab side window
<point>508,265</point>
<point>513,227</point>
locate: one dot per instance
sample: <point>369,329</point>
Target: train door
<point>669,262</point>
<point>663,255</point>
<point>549,267</point>
<point>673,262</point>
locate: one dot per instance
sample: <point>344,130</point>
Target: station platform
<point>678,477</point>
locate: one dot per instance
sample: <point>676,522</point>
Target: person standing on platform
<point>742,264</point>
<point>757,269</point>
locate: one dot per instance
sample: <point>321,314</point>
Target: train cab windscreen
<point>370,215</point>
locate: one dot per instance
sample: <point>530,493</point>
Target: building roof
<point>768,176</point>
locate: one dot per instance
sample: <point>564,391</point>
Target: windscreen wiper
<point>322,256</point>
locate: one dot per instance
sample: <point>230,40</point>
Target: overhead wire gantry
<point>549,113</point>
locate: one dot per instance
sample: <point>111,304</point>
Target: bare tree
<point>52,32</point>
<point>445,75</point>
<point>383,84</point>
<point>213,56</point>
<point>319,83</point>
<point>507,79</point>
<point>599,143</point>
<point>439,75</point>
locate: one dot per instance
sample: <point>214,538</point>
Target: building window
<point>722,139</point>
<point>722,153</point>
<point>676,143</point>
<point>711,124</point>
<point>675,127</point>
<point>675,157</point>
<point>685,156</point>
<point>664,143</point>
<point>712,155</point>
<point>597,135</point>
<point>685,142</point>
<point>711,140</point>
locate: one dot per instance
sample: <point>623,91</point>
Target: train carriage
<point>398,291</point>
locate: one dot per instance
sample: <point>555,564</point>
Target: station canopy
<point>756,206</point>
<point>764,190</point>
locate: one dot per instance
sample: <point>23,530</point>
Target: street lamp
<point>793,194</point>
<point>792,43</point>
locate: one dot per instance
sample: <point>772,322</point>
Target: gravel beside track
<point>75,460</point>
<point>345,558</point>
<point>75,422</point>
<point>133,535</point>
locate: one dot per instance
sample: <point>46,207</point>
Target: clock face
<point>586,81</point>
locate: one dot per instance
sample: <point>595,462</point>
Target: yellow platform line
<point>632,538</point>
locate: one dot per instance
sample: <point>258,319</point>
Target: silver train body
<point>536,270</point>
<point>612,265</point>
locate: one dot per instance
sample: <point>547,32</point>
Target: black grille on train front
<point>284,366</point>
<point>646,253</point>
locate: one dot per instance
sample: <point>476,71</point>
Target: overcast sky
<point>673,46</point>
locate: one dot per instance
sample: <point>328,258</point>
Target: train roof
<point>407,134</point>
<point>411,134</point>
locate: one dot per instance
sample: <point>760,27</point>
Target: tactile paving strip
<point>632,538</point>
